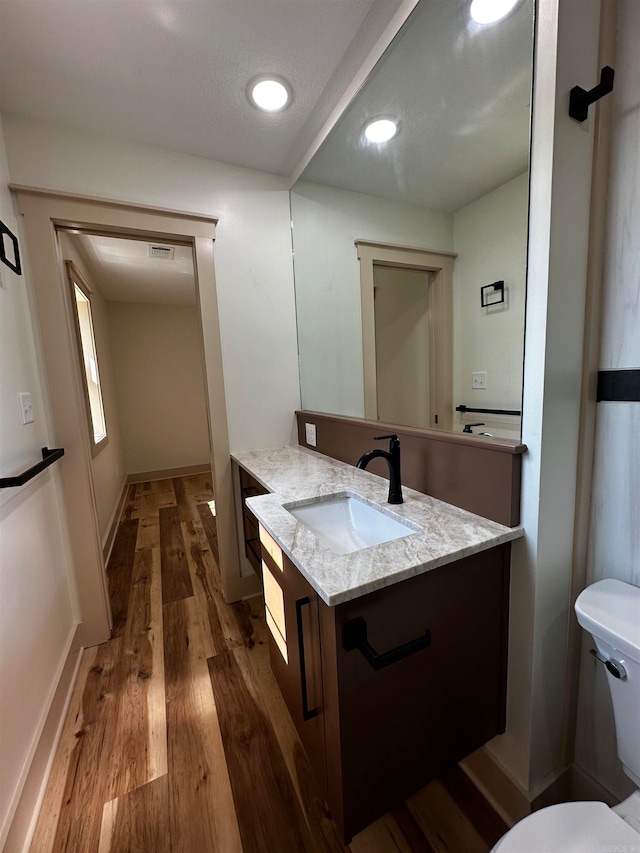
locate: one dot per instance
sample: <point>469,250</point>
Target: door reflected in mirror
<point>401,332</point>
<point>394,240</point>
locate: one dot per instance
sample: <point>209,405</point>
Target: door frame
<point>440,308</point>
<point>44,211</point>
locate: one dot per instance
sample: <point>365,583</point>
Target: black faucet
<point>393,461</point>
<point>467,428</point>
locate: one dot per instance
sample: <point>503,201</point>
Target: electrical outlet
<point>26,407</point>
<point>479,379</point>
<point>310,435</point>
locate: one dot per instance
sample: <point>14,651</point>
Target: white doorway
<point>44,212</point>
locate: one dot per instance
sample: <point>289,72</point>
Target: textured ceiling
<point>174,73</point>
<point>462,95</point>
<point>124,272</point>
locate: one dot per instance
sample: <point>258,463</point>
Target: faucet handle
<point>394,444</point>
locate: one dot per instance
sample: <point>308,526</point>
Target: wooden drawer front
<point>251,546</point>
<point>251,523</point>
<point>272,548</point>
<point>251,540</point>
<point>249,487</point>
<point>275,616</point>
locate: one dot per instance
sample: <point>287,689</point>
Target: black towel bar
<point>49,456</point>
<point>354,636</point>
<point>463,408</point>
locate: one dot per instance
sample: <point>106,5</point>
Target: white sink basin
<point>345,522</point>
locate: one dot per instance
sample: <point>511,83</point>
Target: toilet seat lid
<point>585,827</point>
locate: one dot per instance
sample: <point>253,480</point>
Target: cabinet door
<point>294,645</point>
<point>414,704</point>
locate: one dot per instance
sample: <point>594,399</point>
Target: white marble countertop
<point>293,473</point>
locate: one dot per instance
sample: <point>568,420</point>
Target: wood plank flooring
<point>177,739</point>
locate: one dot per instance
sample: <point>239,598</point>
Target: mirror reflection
<point>395,240</point>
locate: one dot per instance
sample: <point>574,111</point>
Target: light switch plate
<point>26,407</point>
<point>310,434</point>
<point>479,379</point>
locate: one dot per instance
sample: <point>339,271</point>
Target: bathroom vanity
<point>391,658</point>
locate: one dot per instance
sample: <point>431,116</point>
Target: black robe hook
<point>580,100</point>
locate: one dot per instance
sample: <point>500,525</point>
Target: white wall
<point>566,51</point>
<point>252,253</point>
<point>614,546</point>
<point>108,467</point>
<point>490,239</point>
<point>37,597</point>
<point>326,223</point>
<point>157,363</point>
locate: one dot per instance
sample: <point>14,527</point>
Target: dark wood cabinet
<point>402,725</point>
<point>249,487</point>
<point>393,688</point>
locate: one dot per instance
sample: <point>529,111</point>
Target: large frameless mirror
<point>410,252</point>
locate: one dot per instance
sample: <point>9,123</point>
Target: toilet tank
<point>610,611</point>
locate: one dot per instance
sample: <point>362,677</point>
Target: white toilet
<point>610,611</point>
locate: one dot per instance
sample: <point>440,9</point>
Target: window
<point>81,300</point>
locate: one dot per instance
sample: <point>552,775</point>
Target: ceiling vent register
<point>166,253</point>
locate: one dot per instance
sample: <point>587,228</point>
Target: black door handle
<point>354,636</point>
<point>307,713</point>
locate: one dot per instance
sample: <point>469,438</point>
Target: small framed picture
<point>9,250</point>
<point>492,294</point>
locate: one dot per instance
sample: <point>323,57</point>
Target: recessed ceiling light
<point>381,130</point>
<point>489,11</point>
<point>269,94</point>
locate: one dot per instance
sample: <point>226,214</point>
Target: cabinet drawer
<point>275,611</point>
<point>250,522</point>
<point>249,487</point>
<point>273,549</point>
<point>251,550</point>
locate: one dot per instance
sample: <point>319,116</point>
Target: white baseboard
<point>585,787</point>
<point>168,473</point>
<point>496,786</point>
<point>112,527</point>
<point>22,818</point>
<point>512,803</point>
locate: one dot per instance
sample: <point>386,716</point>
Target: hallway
<point>177,737</point>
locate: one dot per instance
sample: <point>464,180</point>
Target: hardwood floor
<point>177,739</point>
